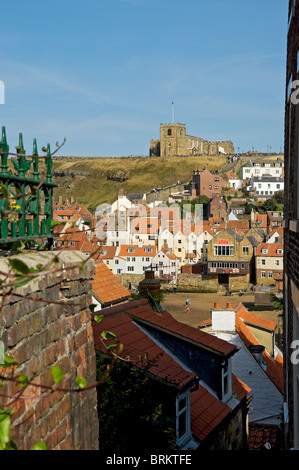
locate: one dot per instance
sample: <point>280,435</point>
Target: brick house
<point>217,207</point>
<point>207,404</point>
<point>231,259</point>
<point>205,183</point>
<point>269,262</point>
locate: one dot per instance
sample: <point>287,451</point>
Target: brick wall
<point>291,232</point>
<point>40,334</point>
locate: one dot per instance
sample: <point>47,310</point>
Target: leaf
<point>4,427</point>
<point>39,446</point>
<point>23,381</point>
<point>57,374</point>
<point>108,335</point>
<point>111,346</point>
<point>19,265</point>
<point>8,362</point>
<point>81,382</point>
<point>4,191</point>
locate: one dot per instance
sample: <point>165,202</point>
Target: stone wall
<point>196,283</point>
<point>39,334</point>
<point>164,193</point>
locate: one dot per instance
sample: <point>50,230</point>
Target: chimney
<point>223,319</point>
<point>257,352</point>
<point>150,283</point>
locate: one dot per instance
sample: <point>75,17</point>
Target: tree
<point>279,197</point>
<point>135,411</point>
<point>249,207</point>
<point>269,205</point>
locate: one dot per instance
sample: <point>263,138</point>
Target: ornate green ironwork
<point>26,201</point>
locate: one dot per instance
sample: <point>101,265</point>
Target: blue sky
<point>103,74</point>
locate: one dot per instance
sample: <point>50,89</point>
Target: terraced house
<point>269,262</point>
<point>231,259</point>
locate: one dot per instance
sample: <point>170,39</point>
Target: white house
<point>234,181</point>
<point>262,169</point>
<point>166,264</point>
<point>134,259</point>
<point>265,187</point>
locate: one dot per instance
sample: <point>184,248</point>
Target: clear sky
<point>103,74</point>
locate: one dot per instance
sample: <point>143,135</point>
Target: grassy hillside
<point>93,180</point>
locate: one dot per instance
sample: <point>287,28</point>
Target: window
<point>220,250</point>
<point>183,417</point>
<point>119,271</point>
<point>131,268</point>
<point>270,274</point>
<point>263,262</point>
<point>263,274</point>
<point>148,250</point>
<point>169,132</point>
<point>226,379</point>
<point>245,250</point>
<point>147,259</point>
<point>131,250</point>
<point>276,262</point>
<point>116,261</point>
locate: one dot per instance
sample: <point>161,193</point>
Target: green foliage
<point>135,412</point>
<point>249,207</point>
<point>269,205</point>
<point>57,374</point>
<point>81,382</point>
<point>5,423</point>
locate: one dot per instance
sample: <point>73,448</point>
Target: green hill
<point>93,181</point>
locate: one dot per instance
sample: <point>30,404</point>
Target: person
<point>187,309</point>
<point>187,302</point>
<point>240,293</point>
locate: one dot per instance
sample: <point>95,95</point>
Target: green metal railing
<point>26,201</point>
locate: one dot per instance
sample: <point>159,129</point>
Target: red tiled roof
<point>164,321</point>
<point>255,320</point>
<point>137,346</point>
<point>106,287</point>
<point>137,251</point>
<point>207,412</point>
<point>271,247</point>
<point>238,224</point>
<point>232,176</point>
<point>261,435</point>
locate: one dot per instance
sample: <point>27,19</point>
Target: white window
<point>270,274</point>
<point>263,274</point>
<point>226,379</point>
<point>183,417</point>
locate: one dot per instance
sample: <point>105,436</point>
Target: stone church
<point>175,142</point>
